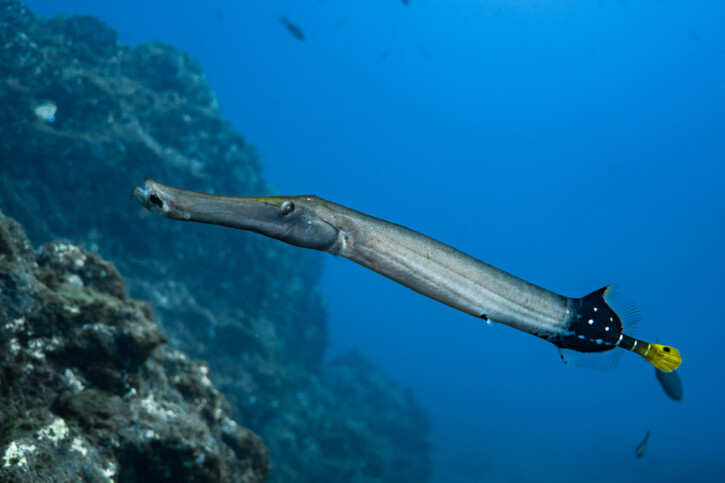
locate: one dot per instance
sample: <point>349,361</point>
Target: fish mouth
<point>149,197</point>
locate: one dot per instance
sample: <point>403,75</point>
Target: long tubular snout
<point>290,219</point>
<point>236,212</point>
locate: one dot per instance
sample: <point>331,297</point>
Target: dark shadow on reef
<point>83,119</point>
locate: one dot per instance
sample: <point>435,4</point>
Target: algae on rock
<point>89,392</point>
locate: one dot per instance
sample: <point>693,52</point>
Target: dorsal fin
<point>625,308</point>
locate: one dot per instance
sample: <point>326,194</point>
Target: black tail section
<point>594,326</point>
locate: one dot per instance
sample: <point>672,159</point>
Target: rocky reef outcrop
<point>88,391</point>
<point>85,118</point>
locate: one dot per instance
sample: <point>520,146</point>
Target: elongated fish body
<point>434,269</point>
<point>447,275</point>
<point>463,282</point>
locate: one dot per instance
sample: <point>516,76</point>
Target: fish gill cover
<point>249,308</point>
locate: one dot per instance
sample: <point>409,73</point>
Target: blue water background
<point>572,143</point>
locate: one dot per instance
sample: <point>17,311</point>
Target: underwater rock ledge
<point>86,117</point>
<point>88,390</point>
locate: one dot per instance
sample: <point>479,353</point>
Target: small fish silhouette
<point>642,446</point>
<point>293,29</point>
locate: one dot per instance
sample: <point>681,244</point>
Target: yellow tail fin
<point>663,357</point>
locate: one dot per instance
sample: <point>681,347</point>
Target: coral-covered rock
<point>87,390</point>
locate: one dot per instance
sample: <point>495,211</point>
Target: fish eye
<point>286,208</point>
<point>156,200</point>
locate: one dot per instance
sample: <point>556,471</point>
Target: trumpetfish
<point>588,324</point>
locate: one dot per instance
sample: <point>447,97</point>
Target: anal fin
<point>599,361</point>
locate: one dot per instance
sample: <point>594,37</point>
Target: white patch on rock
<point>79,445</point>
<point>75,280</point>
<point>55,431</point>
<point>152,406</point>
<point>14,346</point>
<point>15,324</point>
<point>15,454</point>
<point>110,470</point>
<point>36,349</point>
<point>75,383</point>
<point>72,309</point>
<point>46,111</point>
